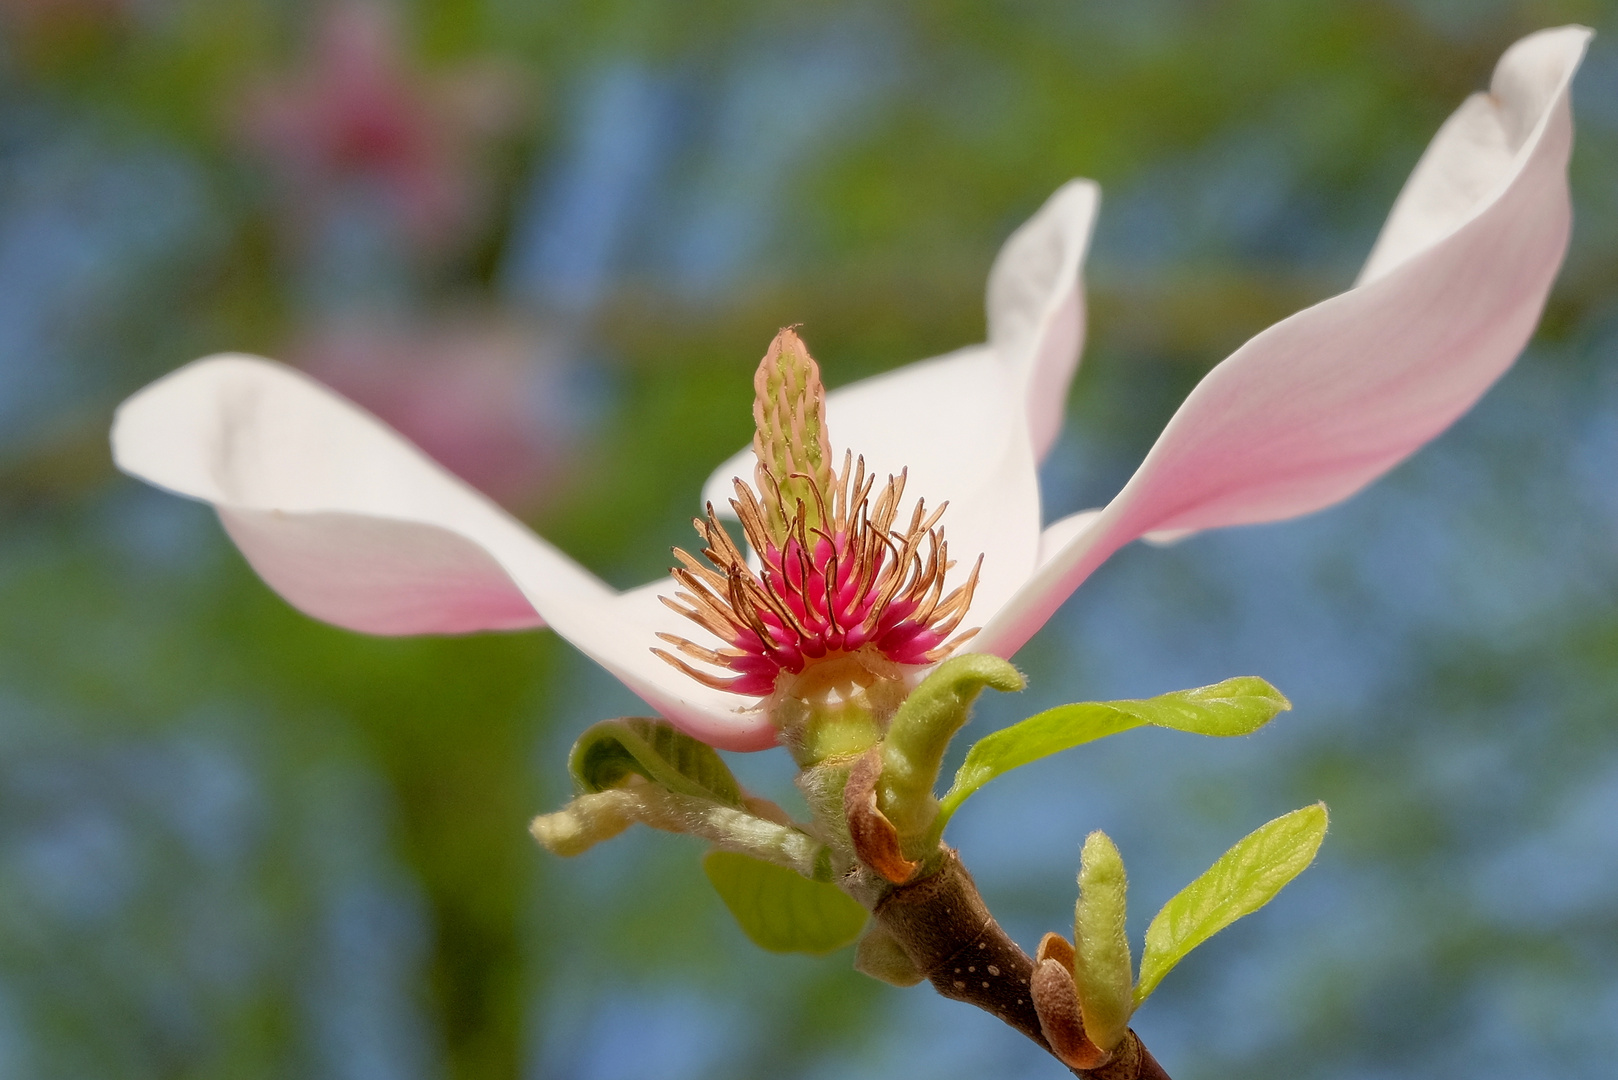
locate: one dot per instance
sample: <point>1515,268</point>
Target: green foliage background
<point>234,842</point>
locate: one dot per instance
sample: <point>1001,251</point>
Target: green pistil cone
<point>794,453</point>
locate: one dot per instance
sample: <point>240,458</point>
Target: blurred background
<point>549,241</point>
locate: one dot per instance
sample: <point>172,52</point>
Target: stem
<point>944,926</point>
<point>600,815</point>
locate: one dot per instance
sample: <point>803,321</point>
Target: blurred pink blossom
<point>361,114</point>
<point>483,396</point>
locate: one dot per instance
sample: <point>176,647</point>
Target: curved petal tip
<point>1321,404</point>
<point>1036,304</point>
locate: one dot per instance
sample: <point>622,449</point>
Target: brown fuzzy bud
<point>875,839</point>
<point>1056,1000</point>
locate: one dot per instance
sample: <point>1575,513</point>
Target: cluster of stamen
<point>835,577</point>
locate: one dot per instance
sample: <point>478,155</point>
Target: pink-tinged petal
<point>379,576</point>
<point>1036,308</point>
<point>968,425</point>
<point>354,525</point>
<point>1319,405</point>
<point>342,516</point>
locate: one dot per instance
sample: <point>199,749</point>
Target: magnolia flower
<point>355,526</point>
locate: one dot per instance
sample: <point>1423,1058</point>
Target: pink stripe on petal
<point>1319,405</point>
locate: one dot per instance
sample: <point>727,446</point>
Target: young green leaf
<point>609,751</point>
<point>921,731</point>
<point>782,911</point>
<point>1234,707</point>
<point>1101,967</point>
<point>1244,879</point>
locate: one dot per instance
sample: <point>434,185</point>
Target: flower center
<point>839,593</point>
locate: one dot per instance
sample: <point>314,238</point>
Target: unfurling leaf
<point>921,731</point>
<point>610,751</point>
<point>1244,879</point>
<point>1101,966</point>
<point>586,821</point>
<point>780,910</point>
<point>1233,707</point>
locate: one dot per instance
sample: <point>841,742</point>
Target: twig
<point>945,928</point>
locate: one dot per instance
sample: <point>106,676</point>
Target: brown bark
<point>945,928</point>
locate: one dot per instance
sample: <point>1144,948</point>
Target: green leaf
<point>1243,880</point>
<point>783,911</point>
<point>1101,967</point>
<point>612,750</point>
<point>1233,707</point>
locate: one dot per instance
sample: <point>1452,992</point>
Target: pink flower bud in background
<point>361,113</point>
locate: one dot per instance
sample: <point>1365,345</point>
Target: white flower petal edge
<point>1319,405</point>
<point>354,525</point>
<point>970,426</point>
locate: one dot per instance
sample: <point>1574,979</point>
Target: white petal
<point>972,453</point>
<point>967,425</point>
<point>378,575</point>
<point>1036,308</point>
<point>355,526</point>
<point>1319,405</point>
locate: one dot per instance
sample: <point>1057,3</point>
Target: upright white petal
<point>1319,405</point>
<point>355,526</point>
<point>1036,307</point>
